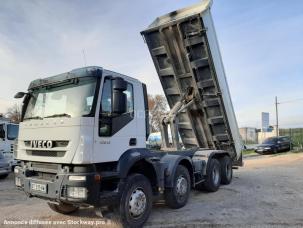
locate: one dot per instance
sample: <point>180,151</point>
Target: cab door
<point>114,132</point>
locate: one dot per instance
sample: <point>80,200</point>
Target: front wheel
<point>177,196</point>
<point>63,208</point>
<point>136,201</point>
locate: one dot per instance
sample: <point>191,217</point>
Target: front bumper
<point>56,183</point>
<point>5,171</point>
<point>263,150</point>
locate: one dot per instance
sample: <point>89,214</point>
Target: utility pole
<point>277,117</point>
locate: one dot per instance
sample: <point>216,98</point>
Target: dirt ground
<point>267,191</point>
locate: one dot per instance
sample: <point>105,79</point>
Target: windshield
<point>269,141</point>
<point>70,99</point>
<point>12,131</point>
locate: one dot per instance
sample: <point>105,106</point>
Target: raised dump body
<point>185,51</point>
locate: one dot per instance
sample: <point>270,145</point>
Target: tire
<point>63,208</point>
<point>226,170</point>
<point>177,196</point>
<point>3,176</point>
<point>213,177</point>
<point>137,190</point>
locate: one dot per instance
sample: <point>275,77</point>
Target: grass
<point>252,152</point>
<point>248,152</point>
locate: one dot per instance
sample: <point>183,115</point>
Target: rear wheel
<point>226,170</point>
<point>213,177</point>
<point>136,201</point>
<point>177,196</point>
<point>63,208</point>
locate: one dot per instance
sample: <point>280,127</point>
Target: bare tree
<point>157,105</point>
<point>14,113</point>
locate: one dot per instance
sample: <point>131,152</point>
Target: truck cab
<point>8,139</point>
<point>71,118</point>
<point>78,122</point>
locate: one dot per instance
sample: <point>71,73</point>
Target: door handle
<point>133,142</point>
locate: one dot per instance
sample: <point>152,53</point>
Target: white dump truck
<point>82,139</point>
<point>8,137</point>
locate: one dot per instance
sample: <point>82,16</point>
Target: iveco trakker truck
<point>82,139</point>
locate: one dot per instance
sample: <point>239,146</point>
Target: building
<point>249,135</point>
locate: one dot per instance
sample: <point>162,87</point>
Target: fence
<point>295,134</point>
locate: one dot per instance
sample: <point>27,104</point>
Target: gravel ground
<point>267,191</point>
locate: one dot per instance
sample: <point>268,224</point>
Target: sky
<point>260,41</point>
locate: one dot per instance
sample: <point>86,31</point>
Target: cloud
<point>260,43</point>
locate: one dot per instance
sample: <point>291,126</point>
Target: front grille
<point>49,166</point>
<point>44,153</point>
<point>56,143</point>
<point>46,176</point>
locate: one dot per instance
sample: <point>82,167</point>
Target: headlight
<point>77,192</point>
<point>267,148</point>
<point>77,178</point>
<point>16,170</point>
<point>18,181</point>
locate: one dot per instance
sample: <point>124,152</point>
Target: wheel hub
<point>137,203</point>
<point>181,186</point>
<point>215,176</point>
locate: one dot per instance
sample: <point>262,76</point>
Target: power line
<point>277,114</point>
<point>291,101</point>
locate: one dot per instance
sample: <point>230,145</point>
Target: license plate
<point>38,187</point>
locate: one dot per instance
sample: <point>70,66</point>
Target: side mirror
<point>119,101</point>
<point>119,84</point>
<point>19,95</point>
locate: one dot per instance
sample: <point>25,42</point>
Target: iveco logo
<point>41,144</point>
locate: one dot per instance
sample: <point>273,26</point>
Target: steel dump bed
<point>185,52</point>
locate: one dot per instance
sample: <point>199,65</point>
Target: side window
<point>109,122</point>
<point>284,139</point>
<point>12,131</point>
<point>106,99</point>
<point>130,97</point>
<point>106,109</point>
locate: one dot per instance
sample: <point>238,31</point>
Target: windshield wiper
<point>34,118</point>
<point>59,115</point>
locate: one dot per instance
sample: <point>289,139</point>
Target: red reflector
<point>97,177</point>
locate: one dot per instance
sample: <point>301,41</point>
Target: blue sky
<point>261,44</point>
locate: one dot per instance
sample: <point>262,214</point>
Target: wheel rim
<point>137,203</point>
<point>216,176</point>
<point>181,187</point>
